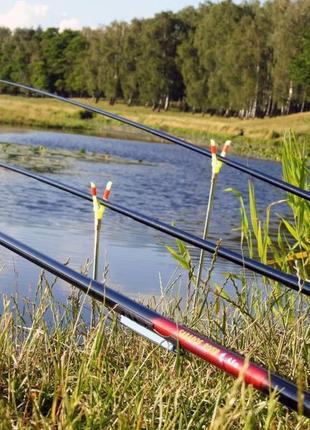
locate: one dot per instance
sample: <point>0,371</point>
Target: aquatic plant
<point>290,250</point>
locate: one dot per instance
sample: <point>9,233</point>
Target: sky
<point>76,14</point>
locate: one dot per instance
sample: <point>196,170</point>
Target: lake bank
<point>261,137</point>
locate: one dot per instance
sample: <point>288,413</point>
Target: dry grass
<point>261,136</point>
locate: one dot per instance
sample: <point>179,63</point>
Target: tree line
<point>245,60</point>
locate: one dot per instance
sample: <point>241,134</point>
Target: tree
<point>194,75</point>
<point>213,33</point>
<point>112,48</point>
<point>159,76</point>
<point>92,64</point>
<point>24,45</point>
<point>129,64</point>
<point>245,68</point>
<point>300,66</point>
<point>52,46</point>
<point>102,62</point>
<point>74,53</point>
<point>288,18</point>
<point>6,51</point>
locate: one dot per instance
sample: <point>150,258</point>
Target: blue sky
<point>76,14</point>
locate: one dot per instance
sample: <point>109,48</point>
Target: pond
<point>169,183</point>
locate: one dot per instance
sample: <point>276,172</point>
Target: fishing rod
<point>245,262</point>
<point>163,135</point>
<point>188,340</point>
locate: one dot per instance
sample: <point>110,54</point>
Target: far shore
<point>259,138</point>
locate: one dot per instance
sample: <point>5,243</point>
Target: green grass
<point>262,137</point>
<point>64,374</point>
<point>291,250</point>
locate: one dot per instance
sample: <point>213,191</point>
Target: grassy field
<point>261,137</point>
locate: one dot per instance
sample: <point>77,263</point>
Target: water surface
<point>170,183</point>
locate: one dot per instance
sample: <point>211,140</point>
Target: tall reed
<point>290,249</point>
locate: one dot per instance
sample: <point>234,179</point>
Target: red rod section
<point>214,353</point>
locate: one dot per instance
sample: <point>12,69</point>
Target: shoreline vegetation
<point>257,138</point>
<point>48,160</point>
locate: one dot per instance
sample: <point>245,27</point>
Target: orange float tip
<point>93,189</point>
<point>213,146</point>
<point>226,148</point>
<point>107,191</point>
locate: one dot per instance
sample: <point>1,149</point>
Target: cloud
<point>72,23</point>
<point>23,14</point>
